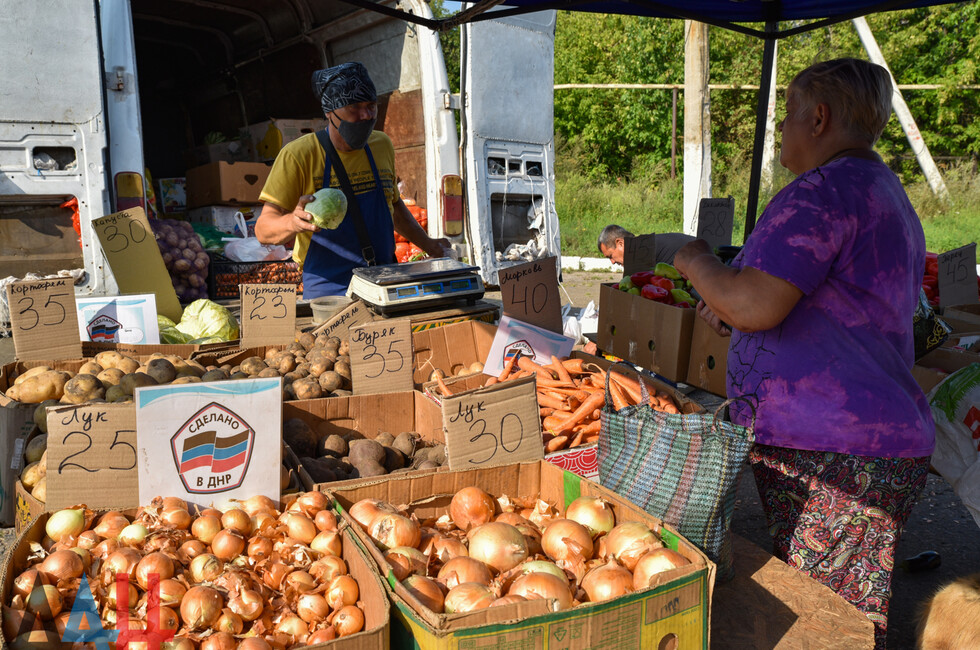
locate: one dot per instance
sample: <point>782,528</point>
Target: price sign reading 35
<point>43,319</point>
<point>268,314</point>
<point>381,357</point>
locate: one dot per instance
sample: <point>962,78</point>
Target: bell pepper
<point>666,270</point>
<point>625,284</point>
<point>634,291</point>
<point>662,282</point>
<point>679,295</point>
<point>655,293</point>
<point>641,278</point>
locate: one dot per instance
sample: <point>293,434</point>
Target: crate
<point>225,275</point>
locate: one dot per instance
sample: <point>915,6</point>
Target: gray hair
<point>858,92</point>
<point>610,234</point>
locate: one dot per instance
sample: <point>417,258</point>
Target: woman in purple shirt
<point>820,303</point>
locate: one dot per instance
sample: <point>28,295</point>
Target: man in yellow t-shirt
<point>349,101</point>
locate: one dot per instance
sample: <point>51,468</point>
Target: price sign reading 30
<point>381,357</point>
<point>43,319</point>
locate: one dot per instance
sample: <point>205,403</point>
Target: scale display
<point>430,282</point>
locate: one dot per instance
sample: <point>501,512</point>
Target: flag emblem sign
<point>212,450</point>
<point>103,329</point>
<point>520,347</point>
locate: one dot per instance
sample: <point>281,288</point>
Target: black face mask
<point>356,134</point>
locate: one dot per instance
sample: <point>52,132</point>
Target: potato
<point>306,339</point>
<point>342,368</point>
<point>161,370</point>
<point>41,414</point>
<point>303,369</point>
<point>341,392</point>
<point>437,453</point>
<point>283,362</point>
<point>406,442</point>
<point>476,367</point>
<point>31,475</point>
<point>191,368</point>
<point>330,381</point>
<point>253,366</point>
<point>115,394</point>
<point>36,447</point>
<point>82,388</point>
<point>333,446</point>
<point>385,438</point>
<point>320,365</point>
<point>40,491</point>
<point>284,475</point>
<point>370,468</point>
<point>238,375</point>
<point>344,348</point>
<point>438,373</point>
<point>269,372</point>
<point>299,436</point>
<point>129,383</point>
<point>394,459</point>
<point>115,359</point>
<point>90,368</point>
<point>30,372</point>
<point>49,384</point>
<point>362,451</point>
<point>185,379</point>
<point>110,377</point>
<point>428,464</point>
<point>218,374</point>
<point>307,388</point>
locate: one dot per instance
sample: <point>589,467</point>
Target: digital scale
<point>416,285</point>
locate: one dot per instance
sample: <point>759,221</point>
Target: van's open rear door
<point>508,132</point>
<point>52,139</point>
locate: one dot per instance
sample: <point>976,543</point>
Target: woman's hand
<point>688,252</point>
<point>709,317</point>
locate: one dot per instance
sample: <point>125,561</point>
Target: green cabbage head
<point>205,319</point>
<point>329,207</point>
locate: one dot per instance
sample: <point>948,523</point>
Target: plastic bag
<point>956,410</point>
<point>248,249</point>
<point>929,330</point>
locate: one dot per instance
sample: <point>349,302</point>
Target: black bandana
<point>343,85</point>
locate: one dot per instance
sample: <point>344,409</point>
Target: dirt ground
<point>939,521</point>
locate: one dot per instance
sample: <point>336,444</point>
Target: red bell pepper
<point>641,278</point>
<point>662,282</point>
<point>655,293</point>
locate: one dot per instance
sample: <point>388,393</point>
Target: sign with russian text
<point>210,442</point>
<point>268,314</point>
<point>43,319</point>
<point>381,357</point>
<point>514,337</point>
<point>958,276</point>
<point>119,319</point>
<point>530,293</point>
<point>716,219</point>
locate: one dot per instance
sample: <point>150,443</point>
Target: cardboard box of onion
<point>670,606</point>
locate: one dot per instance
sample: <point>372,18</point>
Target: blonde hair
<point>858,92</point>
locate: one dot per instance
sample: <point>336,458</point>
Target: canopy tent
<point>742,16</point>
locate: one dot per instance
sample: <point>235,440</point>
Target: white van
<point>93,92</point>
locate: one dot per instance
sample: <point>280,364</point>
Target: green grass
<point>653,202</point>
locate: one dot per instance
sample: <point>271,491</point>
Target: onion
<point>471,507</point>
<point>111,524</point>
<point>653,562</point>
<point>238,520</point>
<point>60,623</point>
<point>444,548</point>
<point>105,548</point>
<point>248,604</point>
<point>262,520</point>
<point>228,544</point>
<point>610,580</point>
<point>132,535</point>
<point>341,591</point>
<point>212,512</point>
<point>328,543</point>
<point>229,622</point>
<point>258,503</point>
<point>177,517</point>
<point>45,601</point>
<point>274,574</point>
<point>301,581</point>
<point>219,641</point>
<point>24,583</point>
<point>88,539</point>
<point>19,621</point>
<point>65,523</point>
<point>426,591</point>
<point>116,595</point>
<point>180,643</point>
<point>172,503</point>
<point>293,626</point>
<point>205,568</point>
<point>501,546</point>
<point>36,639</point>
<point>122,561</point>
<point>201,607</point>
<point>509,599</point>
<point>366,510</point>
<point>311,503</point>
<point>300,526</point>
<point>62,565</point>
<point>405,560</point>
<point>390,530</point>
<point>461,570</point>
<point>327,568</point>
<point>171,592</point>
<point>468,596</point>
<point>628,542</point>
<point>190,550</point>
<point>325,521</point>
<point>168,619</point>
<point>543,566</point>
<point>154,564</point>
<point>259,548</point>
<point>564,539</point>
<point>205,528</point>
<point>543,585</point>
<point>312,608</point>
<point>258,643</point>
<point>349,620</point>
<point>592,512</point>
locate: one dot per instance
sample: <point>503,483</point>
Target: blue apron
<point>333,254</point>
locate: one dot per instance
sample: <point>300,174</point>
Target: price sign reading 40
<point>92,456</point>
<point>43,319</point>
<point>268,314</point>
<point>958,276</point>
<point>530,293</point>
<point>381,357</point>
<point>494,425</point>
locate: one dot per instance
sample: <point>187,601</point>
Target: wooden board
<point>772,605</point>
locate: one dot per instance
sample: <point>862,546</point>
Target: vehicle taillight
<point>451,194</point>
<point>129,191</point>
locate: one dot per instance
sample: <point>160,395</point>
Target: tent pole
<point>761,113</point>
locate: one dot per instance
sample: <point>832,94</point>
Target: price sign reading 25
<point>43,319</point>
<point>381,357</point>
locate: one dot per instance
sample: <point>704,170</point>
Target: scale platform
<point>416,285</point>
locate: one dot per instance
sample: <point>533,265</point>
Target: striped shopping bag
<point>680,468</point>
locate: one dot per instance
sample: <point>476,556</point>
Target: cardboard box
<point>964,342</point>
<point>27,509</point>
<point>450,348</point>
<point>224,183</point>
<point>931,369</point>
<point>672,613</point>
<point>222,217</point>
<point>240,150</point>
<point>652,335</point>
<point>172,194</point>
<point>708,365</point>
<point>377,619</point>
<point>270,136</point>
<point>963,318</point>
<point>16,427</point>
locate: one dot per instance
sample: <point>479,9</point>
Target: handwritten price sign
<point>268,314</point>
<point>43,319</point>
<point>715,221</point>
<point>381,357</point>
<point>494,425</point>
<point>639,253</point>
<point>958,276</point>
<point>92,456</point>
<point>530,293</point>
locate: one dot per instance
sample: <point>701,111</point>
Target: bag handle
<point>721,408</point>
<point>644,392</point>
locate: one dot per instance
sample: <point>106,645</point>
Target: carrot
<point>508,368</point>
<point>560,370</point>
<point>545,411</point>
<point>574,366</point>
<point>590,439</point>
<point>527,363</point>
<point>549,382</point>
<point>556,443</point>
<point>443,387</point>
<point>491,381</point>
<point>555,420</point>
<point>593,402</point>
<point>618,399</point>
<point>548,400</point>
<point>634,396</point>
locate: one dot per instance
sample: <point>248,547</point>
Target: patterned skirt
<point>838,518</point>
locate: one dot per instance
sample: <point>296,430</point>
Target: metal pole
<point>762,108</point>
<point>673,136</point>
<point>697,122</point>
<point>769,148</point>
